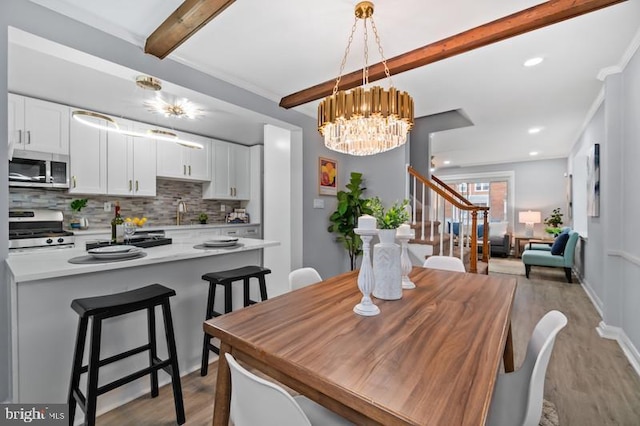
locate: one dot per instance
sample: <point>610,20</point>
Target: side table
<point>521,241</point>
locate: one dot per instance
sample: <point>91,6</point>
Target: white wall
<point>611,254</point>
<point>277,206</point>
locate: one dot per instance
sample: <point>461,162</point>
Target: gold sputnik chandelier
<point>365,120</point>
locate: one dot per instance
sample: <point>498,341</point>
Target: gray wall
<point>539,186</point>
<point>611,252</point>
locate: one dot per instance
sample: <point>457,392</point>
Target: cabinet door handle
<point>137,186</point>
<point>231,191</point>
<point>130,185</point>
<point>189,170</point>
<point>75,182</point>
<point>20,136</point>
<point>28,137</point>
<point>184,169</point>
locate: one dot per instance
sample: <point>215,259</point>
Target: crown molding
<point>624,60</point>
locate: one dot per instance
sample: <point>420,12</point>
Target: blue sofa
<point>541,255</point>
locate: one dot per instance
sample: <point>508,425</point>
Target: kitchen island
<point>43,325</point>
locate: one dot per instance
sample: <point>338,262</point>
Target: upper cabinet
<point>111,163</point>
<point>230,179</point>
<point>37,125</point>
<point>87,159</point>
<point>175,161</point>
<point>131,162</point>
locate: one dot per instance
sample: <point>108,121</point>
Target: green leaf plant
<point>393,217</point>
<point>344,220</point>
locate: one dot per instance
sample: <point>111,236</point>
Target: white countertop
<point>37,265</point>
<point>97,230</point>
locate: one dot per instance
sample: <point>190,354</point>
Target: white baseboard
<point>595,300</point>
<point>618,334</point>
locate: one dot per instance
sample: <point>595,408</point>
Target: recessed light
<point>534,130</point>
<point>533,153</point>
<point>532,62</point>
<point>446,162</point>
<point>432,169</point>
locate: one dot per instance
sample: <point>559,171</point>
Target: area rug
<point>506,266</point>
<point>549,414</point>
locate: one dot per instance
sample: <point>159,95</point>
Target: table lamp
<point>529,218</point>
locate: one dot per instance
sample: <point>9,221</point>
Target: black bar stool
<point>102,307</point>
<point>226,278</point>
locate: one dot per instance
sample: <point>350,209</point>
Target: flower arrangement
<point>553,222</point>
<point>392,217</point>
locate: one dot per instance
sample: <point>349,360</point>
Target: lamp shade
<point>529,217</point>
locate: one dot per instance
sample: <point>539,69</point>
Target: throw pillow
<point>456,228</point>
<point>559,244</point>
<point>480,231</point>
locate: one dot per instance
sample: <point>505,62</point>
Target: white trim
<point>587,119</point>
<point>624,60</point>
<point>626,256</point>
<point>616,333</point>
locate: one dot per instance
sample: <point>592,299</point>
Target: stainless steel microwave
<point>38,169</point>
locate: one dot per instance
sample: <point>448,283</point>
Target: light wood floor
<point>589,379</point>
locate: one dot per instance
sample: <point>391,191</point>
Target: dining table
<point>429,358</point>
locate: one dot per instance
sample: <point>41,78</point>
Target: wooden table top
<point>430,358</point>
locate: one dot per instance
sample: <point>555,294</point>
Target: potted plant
<point>393,217</point>
<point>553,222</point>
<point>77,221</point>
<point>203,217</point>
<point>344,220</point>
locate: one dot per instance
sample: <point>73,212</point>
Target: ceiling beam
<point>184,22</point>
<point>542,15</point>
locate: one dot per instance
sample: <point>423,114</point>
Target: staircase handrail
<point>450,189</point>
<point>463,205</point>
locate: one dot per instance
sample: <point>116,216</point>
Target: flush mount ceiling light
<point>534,130</point>
<point>532,62</point>
<point>180,109</point>
<point>365,120</point>
<point>446,162</point>
<point>533,153</point>
<point>148,83</point>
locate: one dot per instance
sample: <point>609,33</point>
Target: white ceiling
<point>278,47</point>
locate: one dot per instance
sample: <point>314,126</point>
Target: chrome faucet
<point>182,208</point>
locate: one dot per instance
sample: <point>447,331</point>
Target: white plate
<point>214,243</point>
<point>121,255</point>
<point>222,239</point>
<point>112,249</point>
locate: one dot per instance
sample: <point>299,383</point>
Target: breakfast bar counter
<point>43,325</point>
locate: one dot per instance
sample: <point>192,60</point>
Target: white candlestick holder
<point>405,262</point>
<point>365,277</point>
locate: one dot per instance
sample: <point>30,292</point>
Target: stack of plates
<point>221,241</point>
<point>115,252</point>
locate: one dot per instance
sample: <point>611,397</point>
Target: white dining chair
<point>303,277</point>
<point>517,398</point>
<point>255,401</point>
<point>446,263</point>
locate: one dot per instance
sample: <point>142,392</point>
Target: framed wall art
<point>327,176</point>
<point>593,181</point>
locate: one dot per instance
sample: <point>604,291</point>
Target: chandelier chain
<point>384,60</point>
<point>344,58</point>
<point>365,68</point>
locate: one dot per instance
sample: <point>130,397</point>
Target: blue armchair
<point>543,256</point>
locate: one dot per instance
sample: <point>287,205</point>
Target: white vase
<point>386,266</point>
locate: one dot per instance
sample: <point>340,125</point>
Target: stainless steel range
<point>37,228</point>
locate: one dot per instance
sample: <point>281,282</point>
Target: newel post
<point>473,258</point>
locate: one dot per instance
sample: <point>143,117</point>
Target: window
<point>482,186</point>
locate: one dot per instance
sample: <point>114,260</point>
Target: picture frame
<point>327,176</point>
<point>593,181</point>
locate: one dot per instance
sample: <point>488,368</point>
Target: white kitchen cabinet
<point>131,162</point>
<point>36,125</point>
<point>175,161</point>
<point>230,178</point>
<point>246,231</point>
<point>87,159</point>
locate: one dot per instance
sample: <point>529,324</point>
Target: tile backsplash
<point>159,210</point>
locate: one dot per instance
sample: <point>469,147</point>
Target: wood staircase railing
<point>431,198</point>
